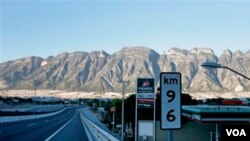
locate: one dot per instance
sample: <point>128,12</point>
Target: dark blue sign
<point>145,85</point>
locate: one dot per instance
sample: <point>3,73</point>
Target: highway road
<point>61,127</point>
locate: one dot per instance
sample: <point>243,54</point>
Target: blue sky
<point>49,27</point>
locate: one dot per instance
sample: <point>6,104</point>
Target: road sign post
<point>113,110</point>
<point>170,83</point>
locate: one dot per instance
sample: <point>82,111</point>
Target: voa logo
<point>236,132</point>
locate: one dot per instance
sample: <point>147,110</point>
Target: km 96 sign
<point>170,84</point>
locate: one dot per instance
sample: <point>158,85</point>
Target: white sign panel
<point>146,95</point>
<point>170,83</point>
<point>145,128</point>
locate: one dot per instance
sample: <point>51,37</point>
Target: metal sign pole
<point>113,122</point>
<point>123,110</point>
<point>170,135</point>
<point>154,134</point>
<point>217,132</point>
<point>136,118</point>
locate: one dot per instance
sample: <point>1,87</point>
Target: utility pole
<point>100,100</point>
<point>100,105</point>
<point>123,108</point>
<point>34,109</point>
<point>113,122</point>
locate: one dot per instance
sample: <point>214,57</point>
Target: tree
<point>117,103</point>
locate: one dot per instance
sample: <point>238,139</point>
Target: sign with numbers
<point>170,83</point>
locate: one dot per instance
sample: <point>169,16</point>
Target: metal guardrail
<point>87,130</point>
<point>98,133</point>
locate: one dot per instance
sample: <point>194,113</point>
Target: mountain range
<point>98,70</point>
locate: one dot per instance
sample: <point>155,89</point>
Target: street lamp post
<point>208,65</point>
<point>123,108</point>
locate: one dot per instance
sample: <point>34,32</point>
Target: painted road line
<point>51,136</point>
<point>32,124</point>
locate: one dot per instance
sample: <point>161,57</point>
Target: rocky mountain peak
<point>238,53</point>
<point>177,51</point>
<point>50,57</point>
<point>77,53</point>
<point>103,54</point>
<point>227,52</point>
<point>247,54</point>
<point>136,52</point>
<point>202,50</point>
<point>62,55</point>
<point>100,54</point>
<point>135,48</point>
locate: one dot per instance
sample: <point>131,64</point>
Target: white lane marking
<point>51,136</point>
<point>32,124</point>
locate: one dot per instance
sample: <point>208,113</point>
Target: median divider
<point>98,133</point>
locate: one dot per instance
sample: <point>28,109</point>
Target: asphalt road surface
<point>65,126</point>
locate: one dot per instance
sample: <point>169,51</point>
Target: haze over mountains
<point>82,71</point>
